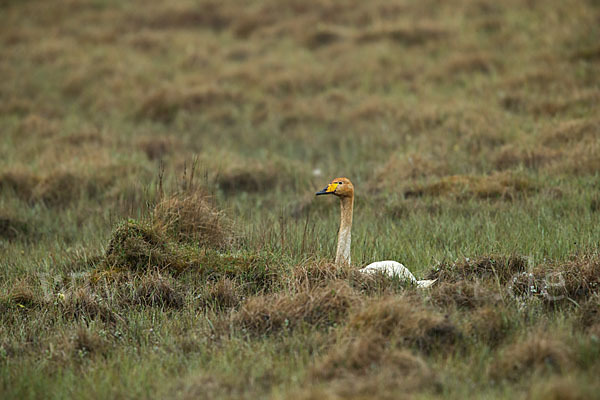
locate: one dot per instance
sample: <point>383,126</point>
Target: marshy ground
<point>159,235</point>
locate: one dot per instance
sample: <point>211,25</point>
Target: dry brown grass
<point>164,105</point>
<point>409,167</point>
<point>322,306</point>
<point>20,181</point>
<point>406,320</point>
<point>471,63</point>
<point>491,324</point>
<point>35,125</point>
<point>497,268</point>
<point>15,229</point>
<point>23,295</point>
<point>589,312</point>
<point>367,355</point>
<point>538,352</point>
<point>253,175</point>
<point>572,132</point>
<point>83,303</point>
<point>511,156</point>
<point>191,216</point>
<point>560,388</point>
<point>317,274</point>
<point>556,283</point>
<point>156,290</point>
<point>222,294</point>
<point>157,148</point>
<point>408,35</point>
<point>465,294</point>
<point>364,368</point>
<point>504,186</point>
<point>64,186</point>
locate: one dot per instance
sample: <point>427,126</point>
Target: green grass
<point>469,129</point>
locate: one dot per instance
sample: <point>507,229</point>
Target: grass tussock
<point>504,186</point>
<point>164,105</point>
<point>156,148</point>
<point>22,295</point>
<point>14,229</point>
<point>60,188</point>
<point>222,295</point>
<point>561,388</point>
<point>411,167</point>
<point>20,182</point>
<point>192,217</point>
<point>589,312</point>
<point>490,324</point>
<point>83,303</point>
<point>258,176</point>
<point>138,246</point>
<point>537,353</point>
<point>571,132</point>
<point>315,274</point>
<point>512,156</point>
<point>465,294</point>
<point>408,321</point>
<point>575,280</point>
<point>363,369</point>
<point>415,35</point>
<point>156,290</point>
<point>368,355</point>
<point>498,268</point>
<point>322,306</point>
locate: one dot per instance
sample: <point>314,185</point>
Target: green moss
<point>137,246</point>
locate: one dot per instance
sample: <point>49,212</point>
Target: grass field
<point>159,234</point>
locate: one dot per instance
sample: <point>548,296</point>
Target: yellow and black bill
<point>330,189</point>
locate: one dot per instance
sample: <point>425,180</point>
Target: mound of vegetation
<point>139,246</point>
<point>322,306</point>
<point>495,186</point>
<point>194,219</point>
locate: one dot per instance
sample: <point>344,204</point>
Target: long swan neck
<point>342,255</point>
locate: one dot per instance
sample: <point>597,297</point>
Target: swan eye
<point>340,183</point>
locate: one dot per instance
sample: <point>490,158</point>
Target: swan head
<point>340,187</point>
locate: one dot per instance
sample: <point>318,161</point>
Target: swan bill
<point>330,189</point>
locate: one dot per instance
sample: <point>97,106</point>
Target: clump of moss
<point>139,246</point>
<point>254,272</point>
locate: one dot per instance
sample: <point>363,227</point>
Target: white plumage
<point>395,269</point>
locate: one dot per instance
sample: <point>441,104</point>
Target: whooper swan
<point>343,188</point>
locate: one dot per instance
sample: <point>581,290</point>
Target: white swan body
<point>395,269</point>
<point>343,188</point>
